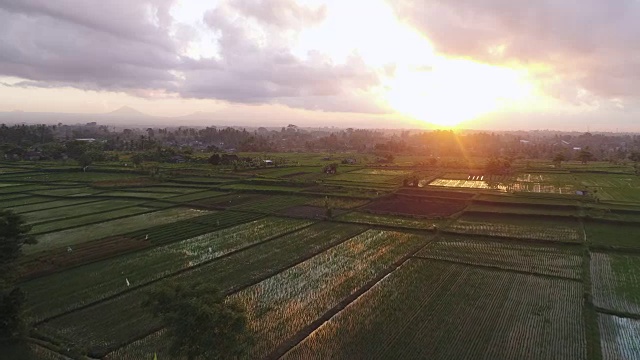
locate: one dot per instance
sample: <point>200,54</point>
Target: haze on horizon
<point>478,64</point>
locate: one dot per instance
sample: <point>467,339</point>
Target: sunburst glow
<point>455,91</point>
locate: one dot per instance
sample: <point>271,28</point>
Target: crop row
<point>38,205</point>
<point>389,220</point>
<point>94,218</point>
<point>336,202</point>
<point>616,282</point>
<point>545,260</point>
<point>108,325</point>
<point>613,234</point>
<point>57,293</point>
<point>283,304</point>
<point>444,311</point>
<point>196,196</point>
<point>77,210</point>
<point>280,306</point>
<point>273,204</point>
<point>551,231</point>
<point>366,178</point>
<point>619,337</point>
<point>190,227</point>
<point>91,232</point>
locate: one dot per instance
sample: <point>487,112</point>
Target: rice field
<point>88,327</point>
<point>390,220</point>
<point>616,282</point>
<point>86,233</point>
<point>283,304</point>
<point>35,217</point>
<point>525,272</point>
<point>619,337</point>
<point>96,281</point>
<point>475,183</point>
<point>517,227</point>
<point>453,311</point>
<point>535,259</point>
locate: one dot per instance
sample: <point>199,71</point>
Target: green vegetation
<point>392,221</point>
<point>441,304</point>
<point>96,281</point>
<point>199,322</point>
<point>86,233</point>
<point>616,282</point>
<point>537,259</point>
<point>613,235</point>
<point>14,234</point>
<point>388,267</point>
<point>518,227</point>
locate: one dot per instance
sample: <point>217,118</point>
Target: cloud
<point>591,44</point>
<point>256,64</point>
<point>50,49</point>
<point>138,48</point>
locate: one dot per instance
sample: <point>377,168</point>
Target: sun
<point>452,91</point>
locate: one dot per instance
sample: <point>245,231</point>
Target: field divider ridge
<point>290,343</point>
<point>136,287</point>
<point>497,268</point>
<point>265,276</point>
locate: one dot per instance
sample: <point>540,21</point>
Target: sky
<point>477,64</point>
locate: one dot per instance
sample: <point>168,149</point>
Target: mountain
<point>127,111</point>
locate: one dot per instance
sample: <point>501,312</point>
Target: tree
<point>558,159</point>
<point>200,322</point>
<point>85,160</point>
<point>137,159</point>
<point>14,233</point>
<point>585,155</point>
<point>214,159</point>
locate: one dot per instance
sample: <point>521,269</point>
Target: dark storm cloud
<point>594,43</point>
<point>133,46</point>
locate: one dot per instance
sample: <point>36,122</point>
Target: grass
<point>337,202</point>
<point>536,259</point>
<point>139,194</point>
<point>613,235</point>
<point>35,217</point>
<point>62,224</point>
<point>49,205</point>
<point>196,196</point>
<point>522,209</point>
<point>616,282</point>
<point>366,178</point>
<point>517,226</point>
<point>390,220</point>
<point>109,228</point>
<point>436,310</point>
<point>260,187</point>
<point>108,325</point>
<point>75,176</point>
<point>54,294</point>
<point>619,337</point>
<point>282,305</point>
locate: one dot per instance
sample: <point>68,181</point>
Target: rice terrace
<point>374,261</point>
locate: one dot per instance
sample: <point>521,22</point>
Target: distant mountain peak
<point>127,111</point>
